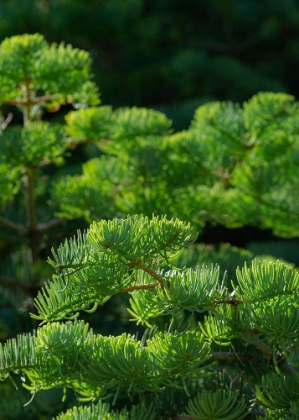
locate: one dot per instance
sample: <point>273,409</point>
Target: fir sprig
<point>133,252</point>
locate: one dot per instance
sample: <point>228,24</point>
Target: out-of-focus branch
<point>15,226</point>
<point>43,227</point>
<point>8,281</point>
<point>6,121</point>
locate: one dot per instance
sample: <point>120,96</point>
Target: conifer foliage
<point>232,354</point>
<point>234,166</point>
<point>209,347</point>
<point>35,76</point>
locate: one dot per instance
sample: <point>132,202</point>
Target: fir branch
<point>32,219</point>
<point>15,226</point>
<point>284,365</point>
<point>27,102</point>
<point>139,287</point>
<point>227,134</point>
<point>149,271</point>
<point>267,203</point>
<point>228,356</point>
<point>8,281</point>
<point>43,227</point>
<point>7,120</point>
<point>39,100</point>
<point>275,206</point>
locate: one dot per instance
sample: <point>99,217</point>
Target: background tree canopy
<point>171,54</point>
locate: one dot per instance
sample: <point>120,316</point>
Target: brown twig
<point>139,287</point>
<point>148,270</point>
<point>15,226</point>
<point>267,351</point>
<point>33,100</point>
<point>6,121</point>
<point>8,281</point>
<point>43,227</point>
<point>232,357</point>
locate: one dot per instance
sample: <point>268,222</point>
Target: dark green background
<point>168,52</point>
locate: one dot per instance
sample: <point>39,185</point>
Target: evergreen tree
<point>207,347</point>
<point>35,76</point>
<point>234,166</point>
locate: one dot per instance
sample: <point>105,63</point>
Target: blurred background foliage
<point>171,56</point>
<point>168,53</point>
